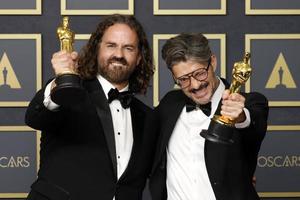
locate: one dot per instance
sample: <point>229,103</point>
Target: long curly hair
<point>88,64</point>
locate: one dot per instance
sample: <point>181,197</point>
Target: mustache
<point>202,86</point>
<point>121,60</point>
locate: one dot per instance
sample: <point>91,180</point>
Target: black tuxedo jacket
<point>78,156</point>
<point>230,167</point>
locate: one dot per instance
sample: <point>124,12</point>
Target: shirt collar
<point>217,95</point>
<point>106,85</point>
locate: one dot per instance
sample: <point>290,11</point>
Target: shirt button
<point>118,157</point>
<point>119,133</point>
<point>118,110</point>
<point>37,107</point>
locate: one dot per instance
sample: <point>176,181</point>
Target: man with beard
<point>185,165</point>
<point>102,147</point>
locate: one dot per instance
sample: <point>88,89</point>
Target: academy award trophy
<point>221,128</point>
<point>68,88</point>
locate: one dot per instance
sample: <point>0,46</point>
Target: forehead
<point>120,33</point>
<point>186,67</point>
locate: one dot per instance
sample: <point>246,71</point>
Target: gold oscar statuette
<point>65,35</point>
<point>221,128</point>
<point>68,89</point>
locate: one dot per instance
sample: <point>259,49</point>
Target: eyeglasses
<point>198,74</point>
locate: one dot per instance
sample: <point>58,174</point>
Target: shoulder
<point>255,97</point>
<point>172,96</point>
<point>172,101</point>
<point>138,104</point>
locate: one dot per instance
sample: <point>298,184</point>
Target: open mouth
<point>118,62</point>
<point>117,65</point>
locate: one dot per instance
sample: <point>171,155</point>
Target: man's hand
<point>63,62</point>
<point>232,106</point>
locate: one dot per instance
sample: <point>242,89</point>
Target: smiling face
<point>200,92</point>
<point>118,54</point>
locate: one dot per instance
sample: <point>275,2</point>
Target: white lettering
<point>14,162</point>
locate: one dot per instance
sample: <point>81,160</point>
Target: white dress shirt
<point>187,177</point>
<point>122,127</point>
<point>121,122</point>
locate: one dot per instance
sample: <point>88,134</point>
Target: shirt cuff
<point>48,103</point>
<point>247,121</point>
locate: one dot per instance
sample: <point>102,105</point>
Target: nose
<point>119,53</point>
<point>194,83</point>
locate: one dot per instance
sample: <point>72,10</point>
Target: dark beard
<point>117,74</point>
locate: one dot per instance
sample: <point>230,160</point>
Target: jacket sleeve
<point>39,117</point>
<point>257,105</point>
<point>252,137</point>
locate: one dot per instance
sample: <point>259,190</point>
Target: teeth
<point>117,64</point>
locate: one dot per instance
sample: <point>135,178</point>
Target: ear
<point>214,62</point>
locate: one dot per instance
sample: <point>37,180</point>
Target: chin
<point>200,101</point>
<point>203,100</point>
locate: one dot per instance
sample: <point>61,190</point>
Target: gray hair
<point>186,46</point>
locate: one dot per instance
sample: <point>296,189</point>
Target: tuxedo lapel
<point>103,111</point>
<point>169,117</point>
<point>216,157</point>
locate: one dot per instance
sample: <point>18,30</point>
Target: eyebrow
<point>129,45</point>
<point>126,45</point>
<point>201,68</point>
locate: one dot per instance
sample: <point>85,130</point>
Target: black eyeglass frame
<point>191,74</point>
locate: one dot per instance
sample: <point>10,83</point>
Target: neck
<point>120,86</point>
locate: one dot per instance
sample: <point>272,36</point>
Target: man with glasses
<point>186,167</point>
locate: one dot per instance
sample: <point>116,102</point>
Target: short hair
<point>88,63</point>
<point>186,46</point>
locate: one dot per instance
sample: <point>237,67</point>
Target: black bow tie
<point>124,97</point>
<point>190,106</point>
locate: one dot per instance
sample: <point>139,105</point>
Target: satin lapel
<point>99,100</point>
<point>167,129</point>
<point>137,120</point>
<point>215,161</point>
<point>216,157</point>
